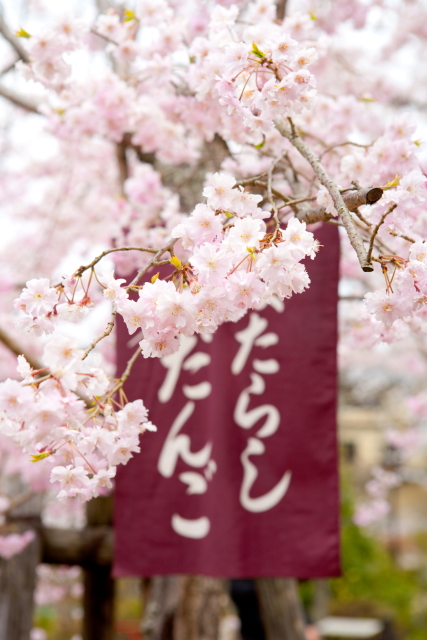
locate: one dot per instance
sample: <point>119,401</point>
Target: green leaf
<point>22,34</point>
<point>260,145</point>
<point>176,262</point>
<point>257,51</point>
<point>154,278</point>
<point>129,15</point>
<point>35,457</point>
<point>229,214</point>
<point>393,183</point>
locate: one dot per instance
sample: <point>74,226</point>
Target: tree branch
<point>326,181</point>
<point>122,163</point>
<point>95,261</point>
<point>13,40</point>
<point>13,346</point>
<point>153,262</point>
<point>281,9</point>
<point>270,196</point>
<point>377,228</point>
<point>355,198</point>
<point>106,333</point>
<point>404,237</point>
<point>8,67</point>
<point>18,100</point>
<point>126,373</point>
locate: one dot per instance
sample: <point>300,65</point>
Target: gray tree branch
<point>12,39</point>
<point>16,348</point>
<point>18,100</point>
<point>338,200</point>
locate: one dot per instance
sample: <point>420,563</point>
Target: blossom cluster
<point>260,86</point>
<point>234,264</point>
<point>406,295</point>
<point>47,417</point>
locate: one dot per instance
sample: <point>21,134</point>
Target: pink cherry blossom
<point>220,191</point>
<point>38,297</point>
<point>245,289</point>
<point>211,264</point>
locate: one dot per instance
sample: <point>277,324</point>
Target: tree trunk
<point>321,599</point>
<point>281,609</point>
<point>184,608</point>
<point>98,621</point>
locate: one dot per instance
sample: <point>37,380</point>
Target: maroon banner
<point>241,478</point>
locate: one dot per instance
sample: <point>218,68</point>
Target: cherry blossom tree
<point>211,139</point>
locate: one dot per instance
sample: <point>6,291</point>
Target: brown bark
<point>280,608</point>
<point>281,9</point>
<point>353,199</point>
<point>17,584</point>
<point>183,608</point>
<point>185,180</point>
<point>98,621</point>
<point>199,610</point>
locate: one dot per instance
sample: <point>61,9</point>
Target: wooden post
<point>18,574</point>
<point>98,600</point>
<point>281,608</point>
<point>17,584</point>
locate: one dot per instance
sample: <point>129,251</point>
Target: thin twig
<point>403,236</point>
<point>106,38</point>
<point>153,262</point>
<point>326,180</point>
<point>377,227</point>
<point>126,373</point>
<point>106,333</point>
<point>95,261</point>
<point>246,181</point>
<point>343,144</point>
<point>270,196</point>
<point>290,203</point>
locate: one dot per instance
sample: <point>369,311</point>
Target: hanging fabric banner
<point>240,479</point>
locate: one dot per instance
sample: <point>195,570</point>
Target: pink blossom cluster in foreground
<point>234,266</point>
<point>48,418</point>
